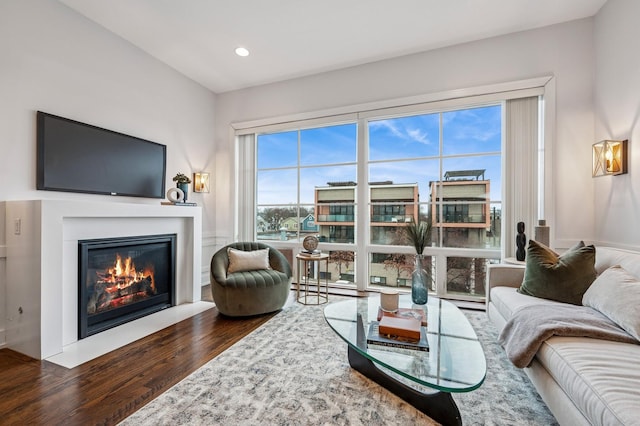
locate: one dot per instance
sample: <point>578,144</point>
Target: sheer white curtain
<point>521,170</point>
<point>245,202</point>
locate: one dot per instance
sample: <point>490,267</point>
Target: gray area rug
<point>293,370</point>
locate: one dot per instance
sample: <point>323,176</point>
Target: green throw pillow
<point>563,278</point>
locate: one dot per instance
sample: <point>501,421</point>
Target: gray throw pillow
<point>563,278</point>
<point>241,261</point>
<point>616,294</point>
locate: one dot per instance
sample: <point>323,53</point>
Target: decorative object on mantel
<point>541,233</point>
<point>609,158</point>
<point>175,195</point>
<point>521,241</point>
<point>176,198</point>
<point>201,182</point>
<point>182,204</point>
<point>419,234</point>
<point>182,182</point>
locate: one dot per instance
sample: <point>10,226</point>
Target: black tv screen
<point>78,157</point>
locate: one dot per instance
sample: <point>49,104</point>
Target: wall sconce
<point>201,182</point>
<point>609,158</point>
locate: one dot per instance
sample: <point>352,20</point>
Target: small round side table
<point>308,296</point>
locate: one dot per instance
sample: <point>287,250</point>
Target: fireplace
<point>122,279</point>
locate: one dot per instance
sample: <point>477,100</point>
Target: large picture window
<point>356,185</point>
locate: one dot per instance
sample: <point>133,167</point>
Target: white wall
<point>617,108</point>
<point>3,281</point>
<point>565,51</point>
<point>55,60</point>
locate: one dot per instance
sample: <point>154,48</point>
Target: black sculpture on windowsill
<point>521,241</point>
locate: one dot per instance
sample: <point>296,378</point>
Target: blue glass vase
<point>419,282</point>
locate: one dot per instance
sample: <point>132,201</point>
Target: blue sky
<point>404,150</point>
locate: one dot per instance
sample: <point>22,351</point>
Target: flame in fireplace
<point>124,274</point>
<point>120,285</point>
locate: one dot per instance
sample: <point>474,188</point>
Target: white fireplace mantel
<point>42,255</point>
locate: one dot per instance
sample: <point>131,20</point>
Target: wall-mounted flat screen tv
<point>78,157</point>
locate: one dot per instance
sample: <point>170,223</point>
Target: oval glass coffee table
<point>455,361</point>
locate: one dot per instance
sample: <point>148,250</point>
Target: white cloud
<point>419,136</point>
<point>404,133</point>
<point>390,126</point>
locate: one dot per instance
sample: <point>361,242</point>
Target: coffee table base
<point>439,405</point>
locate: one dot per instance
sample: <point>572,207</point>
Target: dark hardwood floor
<point>110,388</point>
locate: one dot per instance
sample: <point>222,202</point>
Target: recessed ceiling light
<point>241,51</point>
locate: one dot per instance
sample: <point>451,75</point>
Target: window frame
<point>464,98</point>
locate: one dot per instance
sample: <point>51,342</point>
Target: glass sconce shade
<point>609,158</point>
<point>201,182</point>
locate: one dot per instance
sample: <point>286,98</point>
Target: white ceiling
<point>294,38</point>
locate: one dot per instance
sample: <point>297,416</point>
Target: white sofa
<point>583,381</point>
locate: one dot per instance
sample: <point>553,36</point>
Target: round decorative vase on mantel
<point>419,282</point>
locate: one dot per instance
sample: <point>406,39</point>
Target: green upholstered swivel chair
<point>250,292</point>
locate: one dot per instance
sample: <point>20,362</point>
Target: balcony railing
<point>335,218</point>
<point>462,218</point>
<point>390,218</point>
<point>346,240</point>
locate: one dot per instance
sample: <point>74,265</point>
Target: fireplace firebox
<point>122,279</point>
